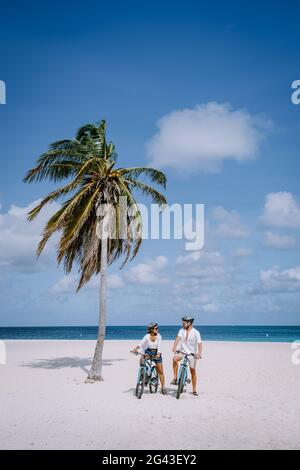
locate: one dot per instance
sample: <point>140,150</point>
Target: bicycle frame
<point>184,366</point>
<point>147,366</point>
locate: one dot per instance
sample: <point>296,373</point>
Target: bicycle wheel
<point>153,383</point>
<point>140,383</point>
<point>180,383</point>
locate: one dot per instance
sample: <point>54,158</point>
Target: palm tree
<point>93,183</point>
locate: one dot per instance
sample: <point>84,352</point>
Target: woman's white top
<point>189,340</point>
<point>147,343</point>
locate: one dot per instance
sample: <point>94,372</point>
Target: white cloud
<point>205,265</point>
<point>229,223</point>
<point>281,210</point>
<point>274,280</point>
<point>242,252</point>
<point>68,284</point>
<point>115,281</point>
<point>19,238</point>
<point>149,272</point>
<point>203,137</point>
<point>203,257</point>
<point>185,295</point>
<point>277,241</point>
<point>210,308</point>
<point>65,285</point>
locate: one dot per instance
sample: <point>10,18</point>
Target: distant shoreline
<point>264,334</point>
<point>16,341</point>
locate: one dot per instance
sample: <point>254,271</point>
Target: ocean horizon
<point>243,333</point>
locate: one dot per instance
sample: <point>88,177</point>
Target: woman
<point>150,345</point>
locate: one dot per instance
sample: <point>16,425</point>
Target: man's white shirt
<point>189,340</point>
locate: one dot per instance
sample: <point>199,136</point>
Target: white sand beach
<point>248,398</point>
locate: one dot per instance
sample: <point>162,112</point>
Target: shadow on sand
<point>170,392</point>
<point>65,362</point>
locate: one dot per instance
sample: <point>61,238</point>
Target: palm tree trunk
<point>95,373</point>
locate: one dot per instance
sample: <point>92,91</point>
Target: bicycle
<point>183,379</point>
<point>147,375</point>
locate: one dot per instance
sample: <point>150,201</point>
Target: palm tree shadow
<point>66,362</point>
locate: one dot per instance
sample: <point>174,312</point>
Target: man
<point>188,341</point>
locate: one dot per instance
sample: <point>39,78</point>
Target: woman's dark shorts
<point>153,352</point>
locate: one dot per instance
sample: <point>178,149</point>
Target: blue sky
<point>222,69</point>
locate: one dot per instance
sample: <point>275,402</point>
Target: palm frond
<point>155,195</point>
<point>87,132</point>
<point>156,176</point>
<point>81,173</point>
<point>79,218</point>
<point>57,221</point>
<point>89,162</point>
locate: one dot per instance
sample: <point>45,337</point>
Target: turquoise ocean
<point>209,333</point>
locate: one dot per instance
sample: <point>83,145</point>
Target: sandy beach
<point>248,399</point>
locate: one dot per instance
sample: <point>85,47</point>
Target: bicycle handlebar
<point>186,354</point>
<point>141,354</point>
